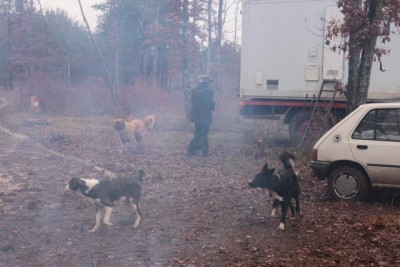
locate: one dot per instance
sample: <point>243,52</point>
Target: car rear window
<point>379,124</point>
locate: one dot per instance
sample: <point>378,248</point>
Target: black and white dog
<point>282,187</point>
<point>105,192</point>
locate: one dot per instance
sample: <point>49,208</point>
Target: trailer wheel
<point>299,123</point>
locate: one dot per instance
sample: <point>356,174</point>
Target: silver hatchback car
<point>360,152</point>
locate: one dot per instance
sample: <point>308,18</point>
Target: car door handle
<point>362,147</point>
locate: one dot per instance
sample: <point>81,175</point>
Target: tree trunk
<point>219,44</point>
<point>368,52</point>
<point>209,27</point>
<point>361,59</point>
<point>185,76</point>
<point>9,42</point>
<point>352,83</point>
<point>68,73</point>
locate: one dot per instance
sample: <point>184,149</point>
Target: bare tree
<point>364,22</point>
<point>106,73</point>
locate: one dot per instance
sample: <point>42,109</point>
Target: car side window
<point>366,129</point>
<point>388,122</point>
<point>379,124</point>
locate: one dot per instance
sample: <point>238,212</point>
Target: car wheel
<point>347,183</point>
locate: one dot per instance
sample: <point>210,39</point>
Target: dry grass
<point>252,138</point>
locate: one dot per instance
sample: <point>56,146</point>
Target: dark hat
<point>203,79</point>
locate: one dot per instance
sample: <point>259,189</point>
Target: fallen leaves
<point>196,211</point>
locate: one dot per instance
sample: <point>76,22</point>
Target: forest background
<point>140,51</point>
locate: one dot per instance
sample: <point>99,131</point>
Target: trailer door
<point>333,63</point>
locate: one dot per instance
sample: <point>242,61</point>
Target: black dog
<point>105,192</point>
<point>282,186</point>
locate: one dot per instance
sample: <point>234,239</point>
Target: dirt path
<point>196,211</point>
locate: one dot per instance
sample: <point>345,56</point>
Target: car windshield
<point>379,124</point>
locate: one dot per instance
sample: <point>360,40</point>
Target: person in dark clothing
<point>203,104</point>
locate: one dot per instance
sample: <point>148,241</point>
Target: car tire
<point>347,183</point>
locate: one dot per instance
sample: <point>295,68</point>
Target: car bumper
<point>320,168</point>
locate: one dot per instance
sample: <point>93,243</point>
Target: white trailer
<point>285,59</point>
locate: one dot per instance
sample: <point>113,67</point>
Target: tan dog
<point>135,128</point>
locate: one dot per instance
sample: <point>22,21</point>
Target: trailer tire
<point>298,125</point>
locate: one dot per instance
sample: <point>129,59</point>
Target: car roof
<point>383,105</point>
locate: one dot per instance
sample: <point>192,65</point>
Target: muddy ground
<point>197,211</point>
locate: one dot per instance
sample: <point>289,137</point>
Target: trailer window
<point>272,84</point>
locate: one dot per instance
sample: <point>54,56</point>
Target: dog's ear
<point>265,168</point>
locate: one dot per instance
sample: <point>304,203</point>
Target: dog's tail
<point>149,121</point>
<point>140,175</point>
<point>287,160</point>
